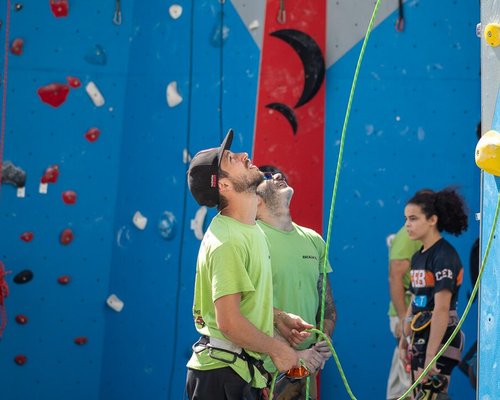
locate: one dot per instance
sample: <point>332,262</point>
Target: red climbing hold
<point>54,94</point>
<point>4,292</point>
<point>60,8</point>
<point>27,237</point>
<point>20,359</point>
<point>69,197</point>
<point>73,82</point>
<point>66,237</point>
<point>64,280</point>
<point>51,174</point>
<point>92,134</point>
<point>21,319</point>
<point>17,47</point>
<point>81,340</point>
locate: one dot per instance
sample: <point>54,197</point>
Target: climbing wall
<point>489,326</point>
<point>103,108</point>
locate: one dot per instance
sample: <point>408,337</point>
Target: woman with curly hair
<point>436,276</point>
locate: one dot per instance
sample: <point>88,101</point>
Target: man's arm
<point>243,333</point>
<point>330,317</point>
<point>397,270</point>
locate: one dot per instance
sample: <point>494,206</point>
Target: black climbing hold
<point>23,277</point>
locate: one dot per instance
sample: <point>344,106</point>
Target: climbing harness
<point>433,388</point>
<point>226,351</point>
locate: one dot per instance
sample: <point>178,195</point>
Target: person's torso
<point>436,269</point>
<point>296,261</point>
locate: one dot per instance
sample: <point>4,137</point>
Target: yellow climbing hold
<point>492,34</point>
<point>488,152</point>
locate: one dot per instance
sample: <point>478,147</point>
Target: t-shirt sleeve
<point>446,271</point>
<point>228,270</point>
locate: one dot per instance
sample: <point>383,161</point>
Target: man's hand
<point>312,359</point>
<point>324,350</point>
<point>292,327</point>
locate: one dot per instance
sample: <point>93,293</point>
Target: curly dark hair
<point>448,205</point>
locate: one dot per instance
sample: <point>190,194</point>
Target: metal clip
<point>281,13</point>
<point>117,18</point>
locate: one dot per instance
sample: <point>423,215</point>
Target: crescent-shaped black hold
<point>312,59</point>
<point>23,277</point>
<point>287,112</point>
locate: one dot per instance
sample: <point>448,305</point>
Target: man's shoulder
<point>307,231</point>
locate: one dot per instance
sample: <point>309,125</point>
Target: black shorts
<point>450,358</point>
<point>219,384</point>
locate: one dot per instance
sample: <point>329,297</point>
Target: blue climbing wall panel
<point>412,125</point>
<point>488,353</point>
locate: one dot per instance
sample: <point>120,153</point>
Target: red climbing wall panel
<point>289,132</point>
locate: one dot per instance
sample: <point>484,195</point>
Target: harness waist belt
<point>223,344</point>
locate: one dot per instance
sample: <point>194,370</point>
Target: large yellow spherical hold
<point>488,153</point>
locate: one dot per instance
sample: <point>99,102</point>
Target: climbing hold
<point>492,34</point>
<point>15,176</point>
<point>92,134</point>
<point>17,47</point>
<point>66,237</point>
<point>139,220</point>
<point>20,359</point>
<point>21,319</point>
<point>197,222</point>
<point>60,8</point>
<point>64,279</point>
<point>27,237</point>
<point>75,83</point>
<point>115,303</point>
<point>69,197</point>
<point>23,277</point>
<point>488,152</point>
<point>173,96</point>
<point>81,340</point>
<point>54,94</point>
<point>175,11</point>
<point>94,94</point>
<point>253,25</point>
<point>167,225</point>
<point>49,176</point>
<point>96,55</point>
<point>18,7</point>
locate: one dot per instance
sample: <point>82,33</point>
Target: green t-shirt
<point>403,248</point>
<point>233,258</point>
<point>297,259</point>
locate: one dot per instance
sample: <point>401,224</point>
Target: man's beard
<point>275,201</point>
<point>247,184</point>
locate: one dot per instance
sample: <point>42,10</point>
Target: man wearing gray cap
<point>233,299</point>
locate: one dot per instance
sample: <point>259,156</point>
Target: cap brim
<point>225,145</point>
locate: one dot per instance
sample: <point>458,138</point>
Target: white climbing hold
<point>173,96</point>
<point>21,192</point>
<point>175,11</point>
<point>197,222</point>
<point>94,94</point>
<point>115,303</point>
<point>253,25</point>
<point>186,157</point>
<point>389,239</point>
<point>139,220</point>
